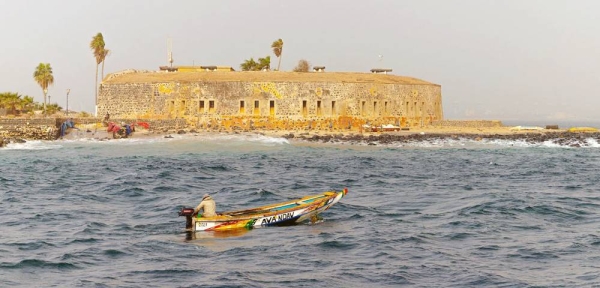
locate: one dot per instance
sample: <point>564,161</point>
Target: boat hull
<point>281,214</point>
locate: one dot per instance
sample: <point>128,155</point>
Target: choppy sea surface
<point>88,213</point>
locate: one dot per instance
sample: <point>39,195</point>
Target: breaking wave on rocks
<point>556,140</point>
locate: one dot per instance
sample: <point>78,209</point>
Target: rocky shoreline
<point>23,134</point>
<point>426,135</point>
<point>569,139</point>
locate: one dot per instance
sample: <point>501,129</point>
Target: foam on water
<point>483,143</point>
<point>227,139</point>
<point>33,145</point>
<point>592,142</point>
<point>221,139</point>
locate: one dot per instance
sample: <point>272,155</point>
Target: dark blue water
<point>104,214</point>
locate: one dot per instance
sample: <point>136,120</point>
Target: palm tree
<point>13,101</point>
<point>97,46</point>
<point>277,50</point>
<point>53,108</point>
<point>104,53</point>
<point>5,100</point>
<point>249,65</point>
<point>27,103</point>
<point>264,63</point>
<point>43,76</point>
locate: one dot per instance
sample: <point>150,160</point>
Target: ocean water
<point>454,213</point>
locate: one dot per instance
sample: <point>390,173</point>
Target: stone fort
<point>221,98</point>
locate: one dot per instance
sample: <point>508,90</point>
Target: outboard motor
<point>188,213</point>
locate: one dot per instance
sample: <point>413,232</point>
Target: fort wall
<point>272,100</point>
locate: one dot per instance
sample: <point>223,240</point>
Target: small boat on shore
<point>280,214</point>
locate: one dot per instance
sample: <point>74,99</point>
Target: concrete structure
<point>272,100</point>
<point>381,70</point>
<point>196,68</point>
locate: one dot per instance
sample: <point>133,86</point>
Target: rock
<point>181,132</point>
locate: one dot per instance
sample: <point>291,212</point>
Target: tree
<point>13,101</point>
<point>104,53</point>
<point>251,65</point>
<point>264,63</point>
<point>53,108</point>
<point>97,46</point>
<point>303,66</point>
<point>27,103</point>
<point>10,101</point>
<point>43,76</point>
<point>277,46</point>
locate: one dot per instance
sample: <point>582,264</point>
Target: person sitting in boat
<point>208,206</point>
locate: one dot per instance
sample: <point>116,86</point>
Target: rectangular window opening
<point>362,108</point>
<point>256,107</point>
<point>304,108</point>
<point>272,107</point>
<point>415,109</point>
<point>333,112</point>
<point>319,108</point>
<point>211,106</point>
<point>201,106</point>
<point>242,108</point>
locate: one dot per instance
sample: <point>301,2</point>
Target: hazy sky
<point>520,59</point>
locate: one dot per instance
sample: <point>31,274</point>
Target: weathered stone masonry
<point>272,100</point>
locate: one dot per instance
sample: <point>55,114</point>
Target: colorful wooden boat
<point>280,214</point>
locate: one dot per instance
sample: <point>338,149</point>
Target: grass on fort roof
<point>260,76</point>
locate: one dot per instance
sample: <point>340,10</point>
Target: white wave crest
<point>33,145</point>
<point>482,143</point>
